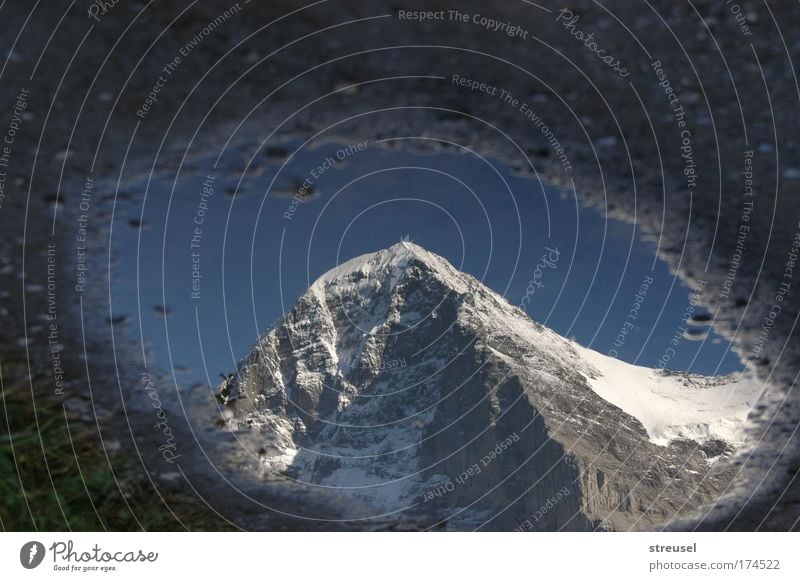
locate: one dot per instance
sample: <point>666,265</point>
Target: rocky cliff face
<point>400,381</point>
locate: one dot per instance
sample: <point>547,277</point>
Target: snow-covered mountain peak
<point>397,373</point>
<point>388,263</point>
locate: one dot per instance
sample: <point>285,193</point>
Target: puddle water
<point>201,270</point>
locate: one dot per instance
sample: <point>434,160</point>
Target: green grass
<point>57,477</point>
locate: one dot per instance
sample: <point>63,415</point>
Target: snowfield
<point>671,405</point>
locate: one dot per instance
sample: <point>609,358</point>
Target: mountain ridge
<point>476,372</point>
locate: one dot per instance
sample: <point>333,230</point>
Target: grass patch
<point>57,477</point>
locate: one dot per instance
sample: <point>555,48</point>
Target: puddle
<point>200,272</point>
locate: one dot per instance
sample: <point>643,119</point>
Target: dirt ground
<point>689,128</point>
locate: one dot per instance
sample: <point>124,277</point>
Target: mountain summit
<point>399,381</point>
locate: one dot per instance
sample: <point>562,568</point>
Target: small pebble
<point>607,141</point>
<point>162,311</point>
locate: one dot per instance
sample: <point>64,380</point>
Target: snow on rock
<point>675,405</point>
<point>396,379</point>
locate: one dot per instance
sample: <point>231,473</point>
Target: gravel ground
<point>697,103</point>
